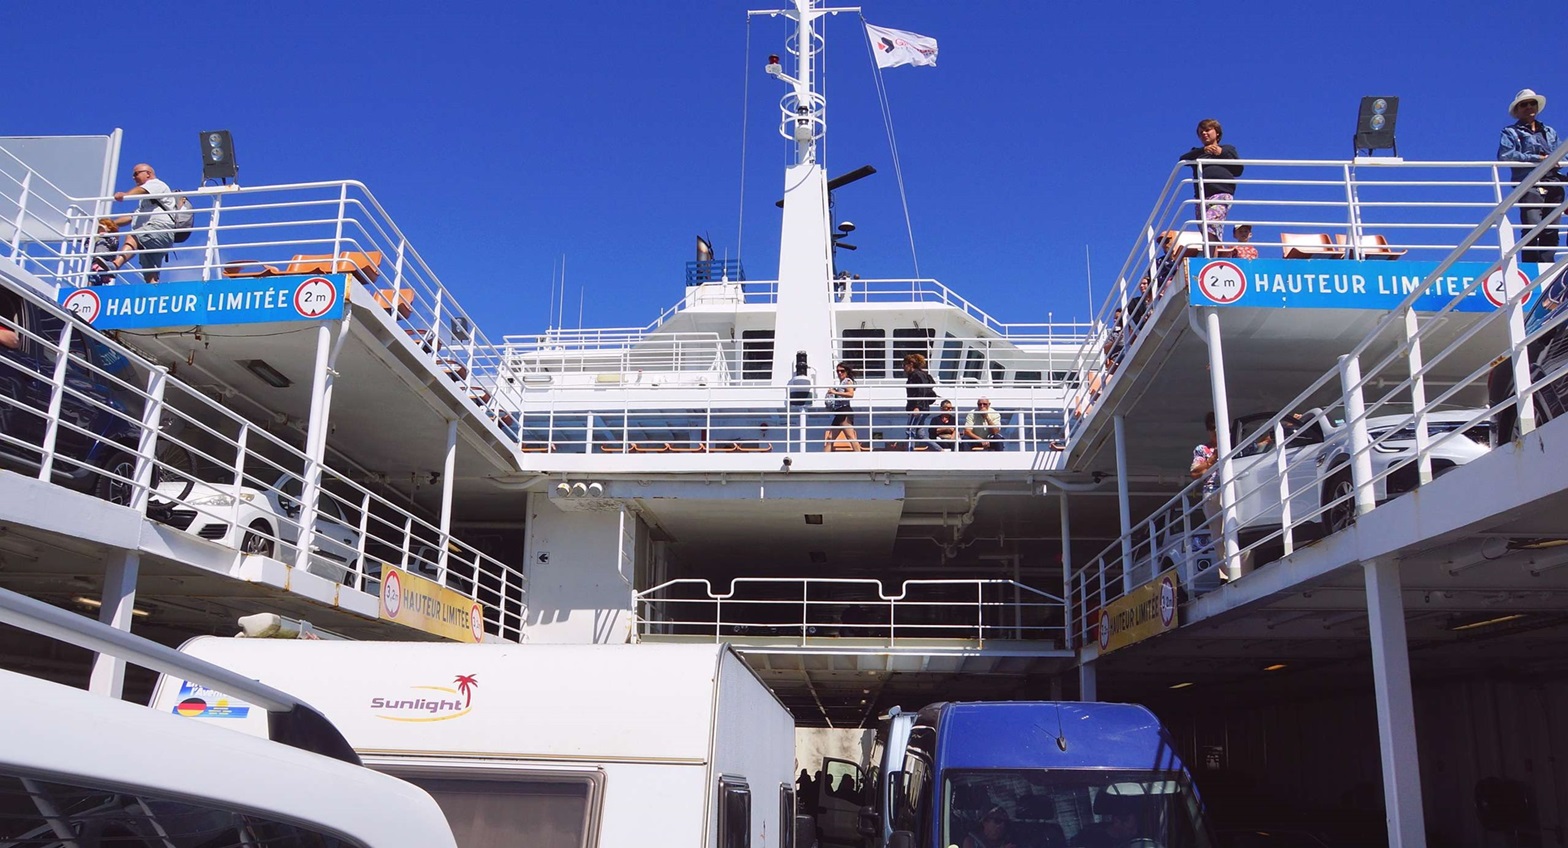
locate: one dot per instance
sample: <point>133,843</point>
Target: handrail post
<point>1360,442</point>
<point>1519,352</point>
<point>242,444</point>
<point>337,235</point>
<point>1418,398</point>
<point>364,532</point>
<point>1353,209</point>
<point>56,399</point>
<point>147,443</point>
<point>21,215</point>
<point>1283,473</point>
<point>210,254</point>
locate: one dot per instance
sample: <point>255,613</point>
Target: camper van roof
<point>543,701</point>
<point>1019,734</point>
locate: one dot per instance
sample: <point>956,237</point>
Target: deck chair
<point>243,268</point>
<point>691,447</point>
<point>397,301</point>
<point>1309,246</point>
<point>1371,246</point>
<point>360,263</point>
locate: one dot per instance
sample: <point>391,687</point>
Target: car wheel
<point>112,489</point>
<point>258,539</point>
<point>1339,502</point>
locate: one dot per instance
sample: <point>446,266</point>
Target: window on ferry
<point>786,815</point>
<point>32,810</point>
<point>907,340</point>
<point>538,810</point>
<point>998,372</point>
<point>756,354</point>
<point>974,364</point>
<point>1028,378</point>
<point>734,813</point>
<point>1074,807</point>
<point>867,351</point>
<point>952,349</point>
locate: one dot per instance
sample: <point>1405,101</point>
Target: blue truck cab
<point>1041,775</point>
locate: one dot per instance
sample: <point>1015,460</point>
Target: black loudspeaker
<point>1375,124</point>
<point>217,156</point>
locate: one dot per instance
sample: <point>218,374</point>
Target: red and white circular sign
<point>1167,600</point>
<point>85,304</point>
<point>315,297</point>
<point>1500,286</point>
<point>476,621</point>
<point>392,593</point>
<point>1105,630</point>
<point>1222,282</point>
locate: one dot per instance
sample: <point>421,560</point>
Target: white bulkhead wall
<point>805,311</point>
<point>580,566</point>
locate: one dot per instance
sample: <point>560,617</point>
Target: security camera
<point>788,462</point>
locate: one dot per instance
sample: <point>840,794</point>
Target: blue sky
<point>502,135</point>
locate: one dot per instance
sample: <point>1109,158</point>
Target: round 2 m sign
<point>315,297</point>
<point>84,303</point>
<point>1500,286</point>
<point>1222,282</point>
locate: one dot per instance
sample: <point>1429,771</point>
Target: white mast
<point>804,319</point>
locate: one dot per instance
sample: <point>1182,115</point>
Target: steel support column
<point>315,442</point>
<point>1123,503</point>
<point>448,475</point>
<point>1088,687</point>
<point>119,600</point>
<point>1222,446</point>
<point>1396,723</point>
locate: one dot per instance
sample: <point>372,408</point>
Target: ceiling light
<point>1274,667</point>
<point>269,375</point>
<point>818,556</point>
<point>97,604</point>
<point>1485,622</point>
<point>813,518</point>
<point>1182,685</point>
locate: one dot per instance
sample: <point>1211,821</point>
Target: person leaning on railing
<point>1530,141</point>
<point>154,222</point>
<point>1217,188</point>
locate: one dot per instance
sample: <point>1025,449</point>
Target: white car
<point>265,522</point>
<point>1317,464</point>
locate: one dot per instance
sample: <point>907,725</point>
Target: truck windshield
<point>1090,808</point>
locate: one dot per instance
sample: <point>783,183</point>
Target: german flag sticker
<point>191,707</point>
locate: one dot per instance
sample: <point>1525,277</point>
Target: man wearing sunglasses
<point>154,222</point>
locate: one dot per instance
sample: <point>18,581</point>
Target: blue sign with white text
<point>259,300</point>
<point>1346,284</point>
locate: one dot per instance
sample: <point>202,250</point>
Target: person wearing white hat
<point>1529,141</point>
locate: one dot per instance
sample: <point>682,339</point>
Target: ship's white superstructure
<point>1379,534</point>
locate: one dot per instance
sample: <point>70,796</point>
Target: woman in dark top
<point>1217,188</point>
<point>918,394</point>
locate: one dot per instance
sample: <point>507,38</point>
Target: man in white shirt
<point>983,427</point>
<point>154,220</point>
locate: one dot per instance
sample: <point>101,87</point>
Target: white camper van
<point>552,746</point>
<point>85,769</point>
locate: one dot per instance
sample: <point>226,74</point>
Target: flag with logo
<point>894,47</point>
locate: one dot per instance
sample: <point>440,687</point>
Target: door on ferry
<point>840,795</point>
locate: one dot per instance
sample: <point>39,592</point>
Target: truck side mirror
<point>866,823</point>
<point>805,831</point>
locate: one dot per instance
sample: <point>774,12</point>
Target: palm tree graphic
<point>465,687</point>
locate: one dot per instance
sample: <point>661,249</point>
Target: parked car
<point>1183,545</point>
<point>1547,354</point>
<point>95,442</point>
<point>1317,464</point>
<point>266,521</point>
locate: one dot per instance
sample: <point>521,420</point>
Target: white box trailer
<point>546,745</point>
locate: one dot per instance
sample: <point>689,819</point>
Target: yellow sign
<point>1148,610</point>
<point>413,601</point>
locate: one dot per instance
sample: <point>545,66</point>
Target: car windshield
<point>1080,807</point>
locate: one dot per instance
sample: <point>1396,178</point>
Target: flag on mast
<point>894,47</point>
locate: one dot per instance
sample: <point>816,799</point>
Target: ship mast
<point>804,321</point>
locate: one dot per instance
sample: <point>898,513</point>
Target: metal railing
<point>1375,427</point>
<point>801,610</point>
<point>619,418</point>
<point>84,411</point>
<point>1419,210</point>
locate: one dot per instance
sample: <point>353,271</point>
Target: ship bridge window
<point>756,354</point>
<point>974,364</point>
<point>866,350</point>
<point>1028,378</point>
<point>951,348</point>
<point>907,340</point>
